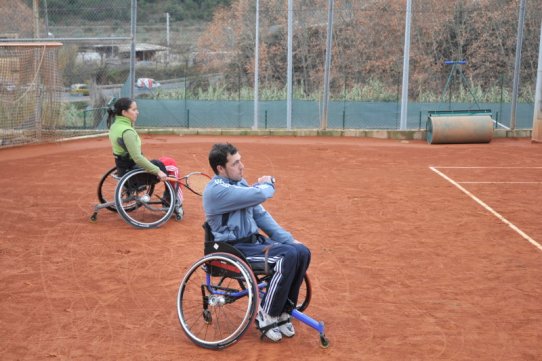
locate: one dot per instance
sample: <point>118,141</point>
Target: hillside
<point>148,10</point>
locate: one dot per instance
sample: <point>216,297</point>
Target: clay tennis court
<point>406,265</point>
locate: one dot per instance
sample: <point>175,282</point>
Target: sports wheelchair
<point>219,296</point>
<point>139,197</point>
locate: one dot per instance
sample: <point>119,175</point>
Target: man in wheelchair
<point>235,214</point>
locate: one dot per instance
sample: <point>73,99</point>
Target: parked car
<point>79,89</point>
<point>147,83</point>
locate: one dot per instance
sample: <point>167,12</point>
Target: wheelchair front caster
<point>94,217</point>
<point>324,342</point>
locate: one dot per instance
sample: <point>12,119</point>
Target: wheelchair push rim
<point>143,201</point>
<point>217,300</point>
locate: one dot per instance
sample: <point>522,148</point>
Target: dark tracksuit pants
<point>290,262</point>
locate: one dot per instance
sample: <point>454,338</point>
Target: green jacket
<point>125,140</point>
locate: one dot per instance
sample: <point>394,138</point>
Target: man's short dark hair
<point>219,155</point>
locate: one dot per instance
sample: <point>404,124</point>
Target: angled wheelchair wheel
<point>106,188</point>
<point>217,300</point>
<point>143,201</point>
<point>305,294</point>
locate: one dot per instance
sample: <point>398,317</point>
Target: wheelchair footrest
<point>318,326</point>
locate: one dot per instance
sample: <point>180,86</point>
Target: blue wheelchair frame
<point>262,286</point>
<point>221,278</point>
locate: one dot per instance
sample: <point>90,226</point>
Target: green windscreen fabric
<point>306,114</point>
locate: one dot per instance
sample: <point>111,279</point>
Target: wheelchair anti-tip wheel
<point>143,201</point>
<point>217,300</point>
<point>106,193</point>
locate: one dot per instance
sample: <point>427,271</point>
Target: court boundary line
<point>490,167</point>
<point>489,182</point>
<point>488,208</point>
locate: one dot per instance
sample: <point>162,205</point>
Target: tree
<point>368,42</point>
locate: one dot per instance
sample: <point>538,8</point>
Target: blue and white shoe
<point>268,326</point>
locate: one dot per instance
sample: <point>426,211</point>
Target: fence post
<point>502,89</point>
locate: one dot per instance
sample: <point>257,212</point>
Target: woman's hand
<point>161,175</point>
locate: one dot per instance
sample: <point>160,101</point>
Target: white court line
<point>499,182</point>
<point>489,167</point>
<point>501,124</point>
<point>477,200</point>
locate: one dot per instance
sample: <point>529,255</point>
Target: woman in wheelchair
<point>126,145</point>
<point>234,213</point>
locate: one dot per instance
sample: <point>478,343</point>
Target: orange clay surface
<point>405,265</point>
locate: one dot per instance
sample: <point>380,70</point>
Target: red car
<point>147,83</point>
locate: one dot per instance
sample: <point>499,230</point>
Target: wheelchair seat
<point>210,246</point>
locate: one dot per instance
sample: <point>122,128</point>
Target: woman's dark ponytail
<point>117,109</point>
<point>110,117</point>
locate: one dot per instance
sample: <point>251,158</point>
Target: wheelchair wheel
<point>106,188</point>
<point>143,201</point>
<point>217,300</point>
<point>305,294</point>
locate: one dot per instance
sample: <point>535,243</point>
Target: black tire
<point>106,188</point>
<point>215,314</point>
<point>305,294</point>
<point>305,291</point>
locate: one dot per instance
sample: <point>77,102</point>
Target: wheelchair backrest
<point>210,246</point>
<point>209,237</point>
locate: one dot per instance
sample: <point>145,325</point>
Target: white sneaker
<point>286,328</point>
<point>179,211</point>
<point>268,326</point>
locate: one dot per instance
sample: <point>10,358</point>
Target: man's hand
<point>266,179</point>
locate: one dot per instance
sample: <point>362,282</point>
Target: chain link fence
<point>200,59</point>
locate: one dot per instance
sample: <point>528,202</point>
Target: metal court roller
<point>459,126</point>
